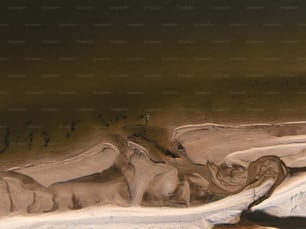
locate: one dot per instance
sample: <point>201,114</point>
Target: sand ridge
<point>208,174</point>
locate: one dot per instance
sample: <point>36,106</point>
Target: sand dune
<point>213,142</point>
<point>96,158</point>
<point>294,155</point>
<point>207,175</point>
<point>288,199</point>
<point>227,210</point>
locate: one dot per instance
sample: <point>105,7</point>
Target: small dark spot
<point>76,203</point>
<point>73,125</point>
<point>170,154</point>
<point>6,141</point>
<point>180,147</point>
<point>30,136</point>
<point>27,123</point>
<point>46,138</point>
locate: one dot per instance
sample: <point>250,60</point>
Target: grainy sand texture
<point>207,175</point>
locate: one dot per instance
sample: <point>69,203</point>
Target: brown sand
<point>203,164</point>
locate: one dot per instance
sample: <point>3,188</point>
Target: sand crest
<point>207,175</point>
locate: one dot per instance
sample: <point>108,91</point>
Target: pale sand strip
<point>288,199</point>
<point>208,142</point>
<point>227,210</point>
<point>94,159</point>
<point>243,144</point>
<point>294,155</point>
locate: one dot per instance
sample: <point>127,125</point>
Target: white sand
<point>243,144</point>
<point>214,143</point>
<point>294,155</point>
<point>227,210</point>
<point>288,199</point>
<point>94,159</point>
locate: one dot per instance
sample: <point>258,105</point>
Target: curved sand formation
<point>94,159</point>
<point>161,178</point>
<point>227,210</point>
<point>20,193</point>
<point>212,174</point>
<point>242,144</point>
<point>288,199</point>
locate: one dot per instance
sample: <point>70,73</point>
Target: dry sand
<point>288,199</point>
<point>207,175</point>
<point>226,210</point>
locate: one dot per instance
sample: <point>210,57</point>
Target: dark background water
<point>75,57</point>
<point>67,63</point>
<point>78,53</point>
<point>69,68</point>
